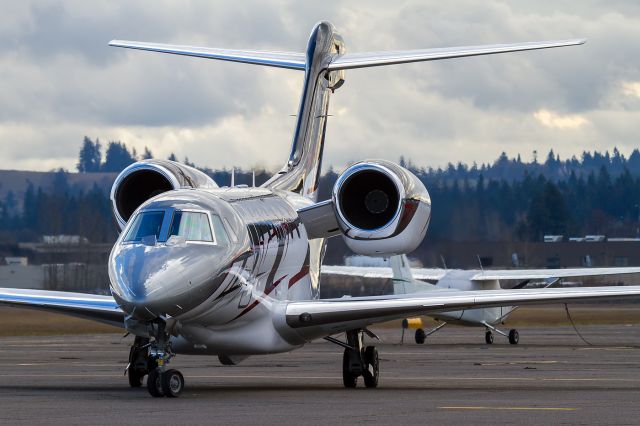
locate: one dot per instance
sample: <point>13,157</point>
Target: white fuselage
<point>460,280</point>
<point>221,297</point>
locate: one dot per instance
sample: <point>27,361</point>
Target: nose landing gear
<point>140,364</point>
<point>151,358</point>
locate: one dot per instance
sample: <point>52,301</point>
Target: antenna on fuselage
<point>233,177</point>
<point>444,263</point>
<point>480,262</point>
<point>253,178</point>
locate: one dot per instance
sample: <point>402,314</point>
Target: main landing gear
<point>422,335</point>
<point>513,335</point>
<point>151,358</point>
<point>358,360</point>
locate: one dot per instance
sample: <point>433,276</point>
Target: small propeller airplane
<point>234,271</point>
<point>424,280</point>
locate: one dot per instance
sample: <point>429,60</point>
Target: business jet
<point>419,281</point>
<point>233,272</point>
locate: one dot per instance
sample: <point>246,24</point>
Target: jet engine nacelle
<point>148,178</point>
<point>382,208</point>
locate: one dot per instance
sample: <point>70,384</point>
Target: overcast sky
<point>59,81</point>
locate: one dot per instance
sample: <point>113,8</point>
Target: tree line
<point>507,200</point>
<point>55,210</point>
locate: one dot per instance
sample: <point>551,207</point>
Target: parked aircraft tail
<point>403,280</point>
<point>324,63</point>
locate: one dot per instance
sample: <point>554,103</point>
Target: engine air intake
<point>381,208</point>
<point>369,199</point>
<point>145,179</point>
<point>138,187</point>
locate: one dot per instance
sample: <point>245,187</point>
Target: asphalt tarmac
<point>551,377</point>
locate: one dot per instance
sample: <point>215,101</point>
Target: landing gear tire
<point>154,383</point>
<point>514,337</point>
<point>139,362</point>
<point>488,337</point>
<point>135,378</point>
<point>421,336</point>
<point>349,379</point>
<point>371,374</point>
<point>172,383</point>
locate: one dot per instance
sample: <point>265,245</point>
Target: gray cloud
<point>60,81</point>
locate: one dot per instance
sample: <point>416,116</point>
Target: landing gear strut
<point>358,360</point>
<point>513,335</point>
<point>152,357</point>
<point>140,364</point>
<point>422,335</point>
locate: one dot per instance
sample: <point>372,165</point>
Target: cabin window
<point>193,226</point>
<point>145,224</point>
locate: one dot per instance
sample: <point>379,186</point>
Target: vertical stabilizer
<point>302,171</point>
<point>403,281</point>
<point>402,276</point>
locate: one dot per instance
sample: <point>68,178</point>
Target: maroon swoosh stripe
<point>257,301</point>
<point>297,277</point>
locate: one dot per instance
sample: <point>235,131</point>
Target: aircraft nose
<point>151,281</point>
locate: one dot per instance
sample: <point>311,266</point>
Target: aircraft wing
<point>542,274</point>
<point>423,274</point>
<point>319,318</point>
<point>426,274</point>
<point>89,306</point>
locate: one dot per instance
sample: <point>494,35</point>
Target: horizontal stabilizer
<point>273,59</point>
<point>292,60</point>
<point>373,59</point>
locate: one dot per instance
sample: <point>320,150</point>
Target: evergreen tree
<point>90,156</point>
<point>147,155</point>
<point>547,213</point>
<point>30,208</point>
<point>117,157</point>
<point>60,183</point>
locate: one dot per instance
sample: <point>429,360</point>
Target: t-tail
<point>324,63</point>
<point>403,281</point>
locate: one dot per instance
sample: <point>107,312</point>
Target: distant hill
<point>17,181</point>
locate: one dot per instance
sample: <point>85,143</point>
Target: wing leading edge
<point>543,274</point>
<point>322,317</point>
<point>423,274</point>
<point>89,306</point>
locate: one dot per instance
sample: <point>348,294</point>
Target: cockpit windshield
<point>221,235</point>
<point>145,224</point>
<point>193,226</point>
